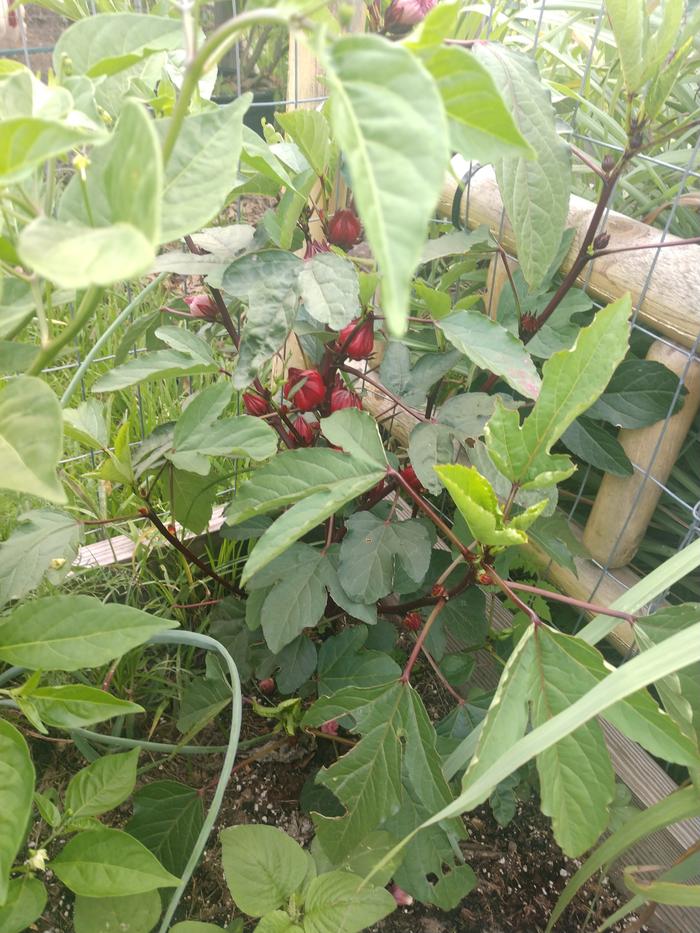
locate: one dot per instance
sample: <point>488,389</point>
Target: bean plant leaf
<point>267,283</point>
<point>535,191</point>
<point>590,442</point>
<point>168,817</point>
<point>31,439</point>
<point>371,549</point>
<point>66,633</point>
<point>25,902</point>
<point>572,379</point>
<point>43,545</point>
<point>108,862</point>
<point>16,790</point>
<point>333,904</point>
<point>384,103</point>
<point>135,913</point>
<point>481,125</point>
<point>187,355</point>
<point>263,867</point>
<point>491,347</point>
<point>102,785</point>
<point>27,143</point>
<point>70,706</point>
<point>329,287</point>
<point>201,433</point>
<point>203,167</point>
<point>640,393</point>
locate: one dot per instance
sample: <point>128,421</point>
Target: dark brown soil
<point>520,868</point>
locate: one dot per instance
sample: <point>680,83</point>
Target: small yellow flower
<point>37,859</point>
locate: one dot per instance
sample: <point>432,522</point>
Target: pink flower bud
<point>402,898</point>
<point>406,13</point>
<point>314,247</point>
<point>330,727</point>
<point>412,621</point>
<point>344,229</point>
<point>342,398</point>
<point>267,685</point>
<point>202,306</point>
<point>361,343</point>
<point>255,404</point>
<point>305,430</point>
<point>305,388</point>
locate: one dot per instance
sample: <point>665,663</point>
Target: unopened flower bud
<point>402,14</point>
<point>608,163</point>
<point>412,621</point>
<point>601,241</point>
<point>343,398</point>
<point>361,339</point>
<point>202,306</point>
<point>314,247</point>
<point>305,388</point>
<point>255,404</point>
<point>266,686</point>
<point>344,229</point>
<point>402,898</point>
<point>409,475</point>
<point>305,430</point>
<point>330,727</point>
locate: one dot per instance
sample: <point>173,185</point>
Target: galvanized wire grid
<point>686,511</point>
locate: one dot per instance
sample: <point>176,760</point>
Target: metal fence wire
<point>545,31</point>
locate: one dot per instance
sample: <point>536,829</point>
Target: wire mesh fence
<point>663,189</point>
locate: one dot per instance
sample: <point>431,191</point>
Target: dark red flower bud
<point>305,430</point>
<point>412,621</point>
<point>528,324</point>
<point>202,306</point>
<point>602,241</point>
<point>344,229</point>
<point>484,577</point>
<point>439,591</point>
<point>255,404</point>
<point>330,727</point>
<point>172,529</point>
<point>608,163</point>
<point>342,398</point>
<point>409,475</point>
<point>305,388</point>
<point>360,344</point>
<point>405,13</point>
<point>267,685</point>
<point>314,247</point>
<point>402,898</point>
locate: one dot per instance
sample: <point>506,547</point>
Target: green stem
<point>47,354</point>
<point>215,47</point>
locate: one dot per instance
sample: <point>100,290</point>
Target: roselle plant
<point>340,535</point>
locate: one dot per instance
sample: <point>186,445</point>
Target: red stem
<point>571,601</point>
<point>437,609</point>
<point>432,515</point>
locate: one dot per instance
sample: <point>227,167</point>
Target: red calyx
<point>202,306</point>
<point>343,398</point>
<point>412,621</point>
<point>361,344</point>
<point>485,578</point>
<point>314,247</point>
<point>439,591</point>
<point>311,388</point>
<point>330,727</point>
<point>409,475</point>
<point>305,430</point>
<point>344,229</point>
<point>267,685</point>
<point>255,404</point>
<point>528,323</point>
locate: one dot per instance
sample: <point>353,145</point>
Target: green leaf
<point>26,899</point>
<point>48,810</point>
<point>474,497</point>
<point>86,424</point>
<point>76,256</point>
<point>200,433</point>
<point>310,131</point>
<point>135,913</point>
<point>590,442</point>
<point>333,904</point>
<point>202,700</point>
<point>187,355</point>
<point>28,142</point>
<point>277,921</point>
<point>109,862</point>
<point>42,545</point>
<point>389,120</point>
<point>572,379</point>
<point>105,44</point>
<point>31,439</point>
<point>429,445</point>
<point>492,347</point>
<point>329,286</point>
<point>554,536</point>
<point>16,791</point>
<point>66,633</point>
<point>535,192</point>
<point>297,663</point>
<point>640,393</point>
<point>263,867</point>
<point>371,549</point>
<point>191,498</point>
<point>74,705</point>
<point>356,433</point>
<point>267,283</point>
<point>628,21</point>
<point>168,817</point>
<point>344,662</point>
<point>102,785</point>
<point>481,126</point>
<point>203,167</point>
